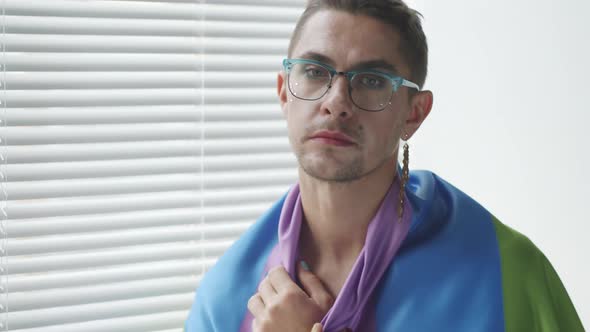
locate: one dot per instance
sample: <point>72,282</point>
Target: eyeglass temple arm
<point>410,84</point>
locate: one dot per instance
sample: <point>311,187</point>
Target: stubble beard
<point>325,164</point>
<point>313,166</point>
<point>350,171</point>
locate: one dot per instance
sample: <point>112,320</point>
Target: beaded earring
<point>404,177</point>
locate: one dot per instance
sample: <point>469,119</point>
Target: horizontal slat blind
<point>139,140</point>
<point>3,180</point>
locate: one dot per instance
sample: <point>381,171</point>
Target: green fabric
<point>534,297</point>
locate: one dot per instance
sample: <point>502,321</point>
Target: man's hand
<point>317,327</point>
<point>281,306</point>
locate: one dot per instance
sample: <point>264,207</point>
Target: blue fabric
<point>446,276</point>
<point>222,297</point>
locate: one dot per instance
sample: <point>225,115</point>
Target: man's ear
<point>282,90</point>
<point>420,107</point>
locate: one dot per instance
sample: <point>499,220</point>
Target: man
<point>359,243</point>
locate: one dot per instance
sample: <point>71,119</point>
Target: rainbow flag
<point>458,269</point>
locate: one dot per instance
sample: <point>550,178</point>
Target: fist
<point>280,305</point>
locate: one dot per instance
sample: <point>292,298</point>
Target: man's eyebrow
<point>371,64</point>
<point>317,57</point>
<point>376,64</point>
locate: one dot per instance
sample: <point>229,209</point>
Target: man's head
<point>334,138</point>
<point>396,13</point>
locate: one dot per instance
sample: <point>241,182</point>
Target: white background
<point>510,119</point>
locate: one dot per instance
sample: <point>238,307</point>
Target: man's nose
<point>338,101</point>
<point>340,81</point>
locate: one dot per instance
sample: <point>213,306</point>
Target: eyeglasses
<point>369,90</point>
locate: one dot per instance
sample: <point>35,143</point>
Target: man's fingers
<point>266,291</point>
<point>281,281</point>
<point>317,327</point>
<point>315,288</point>
<point>255,305</point>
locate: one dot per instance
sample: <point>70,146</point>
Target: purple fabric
<point>354,305</point>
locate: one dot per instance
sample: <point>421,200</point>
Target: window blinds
<point>138,140</point>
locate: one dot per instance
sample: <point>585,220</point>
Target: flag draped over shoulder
<point>458,269</point>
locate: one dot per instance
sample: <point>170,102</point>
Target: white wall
<point>510,118</point>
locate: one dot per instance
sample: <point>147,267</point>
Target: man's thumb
<point>317,327</point>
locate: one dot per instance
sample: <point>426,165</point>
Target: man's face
<point>345,42</point>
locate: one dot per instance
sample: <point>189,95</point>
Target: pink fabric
<point>354,306</point>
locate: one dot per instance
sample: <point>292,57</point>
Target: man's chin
<point>333,174</point>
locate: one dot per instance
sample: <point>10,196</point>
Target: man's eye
<point>315,72</point>
<point>372,81</point>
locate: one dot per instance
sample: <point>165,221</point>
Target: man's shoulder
<point>531,287</point>
<point>516,245</point>
<point>226,287</point>
<point>246,253</point>
<point>525,269</point>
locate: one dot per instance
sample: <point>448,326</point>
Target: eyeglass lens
<point>369,91</point>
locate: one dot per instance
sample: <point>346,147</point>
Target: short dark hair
<point>406,21</point>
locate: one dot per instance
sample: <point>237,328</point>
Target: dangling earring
<point>404,177</point>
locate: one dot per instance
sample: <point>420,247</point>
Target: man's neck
<point>337,215</point>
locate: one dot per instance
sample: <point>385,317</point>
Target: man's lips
<point>333,138</point>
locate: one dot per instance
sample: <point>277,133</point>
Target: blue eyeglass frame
<point>396,81</point>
